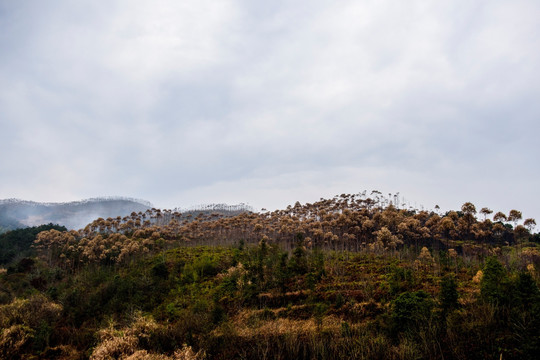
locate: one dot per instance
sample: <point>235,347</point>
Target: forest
<point>352,277</point>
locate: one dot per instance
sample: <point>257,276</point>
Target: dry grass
<point>244,327</point>
<point>124,344</point>
<point>12,340</point>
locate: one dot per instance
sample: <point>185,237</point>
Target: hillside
<point>345,278</point>
<point>16,213</point>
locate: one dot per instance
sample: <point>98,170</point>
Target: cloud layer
<point>239,101</point>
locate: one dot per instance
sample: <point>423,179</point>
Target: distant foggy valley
<point>16,213</point>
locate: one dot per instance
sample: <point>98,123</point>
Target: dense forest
<point>353,277</point>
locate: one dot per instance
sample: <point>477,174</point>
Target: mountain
<point>15,213</point>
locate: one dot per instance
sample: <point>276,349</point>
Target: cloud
<point>195,101</point>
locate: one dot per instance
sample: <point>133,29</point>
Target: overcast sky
<point>270,102</point>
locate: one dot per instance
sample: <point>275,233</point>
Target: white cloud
<point>269,103</point>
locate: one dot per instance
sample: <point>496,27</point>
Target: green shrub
<point>205,266</point>
<point>526,292</point>
<point>400,279</point>
<point>494,286</point>
<point>409,309</point>
<point>298,262</point>
<point>160,270</point>
<point>448,295</point>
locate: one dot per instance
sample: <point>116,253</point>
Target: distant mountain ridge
<point>84,201</point>
<point>15,213</point>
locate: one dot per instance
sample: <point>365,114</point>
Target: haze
<point>267,103</point>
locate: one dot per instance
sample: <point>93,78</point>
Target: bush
<point>160,270</point>
<point>205,266</point>
<point>409,309</point>
<point>400,279</point>
<point>13,340</point>
<point>28,321</point>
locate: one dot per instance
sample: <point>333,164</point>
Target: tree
<point>520,234</point>
<point>486,211</point>
<point>409,310</point>
<point>468,210</point>
<point>448,295</point>
<point>529,224</point>
<point>527,293</point>
<point>298,262</point>
<point>494,282</point>
<point>386,237</point>
<point>447,227</point>
<point>425,256</point>
<point>499,216</point>
<point>514,216</point>
<point>525,314</point>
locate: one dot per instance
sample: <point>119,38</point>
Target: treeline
<point>346,222</point>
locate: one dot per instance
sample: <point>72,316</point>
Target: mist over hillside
<point>15,213</point>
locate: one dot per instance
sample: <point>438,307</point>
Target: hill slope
<point>343,278</point>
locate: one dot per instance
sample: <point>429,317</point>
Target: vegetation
<point>348,278</point>
<point>18,243</point>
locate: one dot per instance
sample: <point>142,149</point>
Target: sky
<point>271,102</point>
